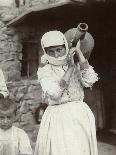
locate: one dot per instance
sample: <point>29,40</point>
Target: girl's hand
<point>70,57</point>
<point>77,48</point>
<point>79,53</point>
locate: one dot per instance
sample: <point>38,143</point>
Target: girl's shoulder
<point>44,71</point>
<point>44,68</point>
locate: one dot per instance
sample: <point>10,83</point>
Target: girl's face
<point>6,119</point>
<point>56,51</point>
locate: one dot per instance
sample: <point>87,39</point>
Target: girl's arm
<point>87,74</point>
<point>64,82</point>
<point>52,87</point>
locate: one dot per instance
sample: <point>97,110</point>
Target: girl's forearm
<point>66,78</point>
<point>80,56</point>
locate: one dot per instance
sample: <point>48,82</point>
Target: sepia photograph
<point>57,77</point>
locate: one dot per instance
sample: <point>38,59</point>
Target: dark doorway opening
<point>30,59</point>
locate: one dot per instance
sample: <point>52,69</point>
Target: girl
<point>68,124</point>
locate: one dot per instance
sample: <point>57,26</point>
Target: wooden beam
<point>39,8</point>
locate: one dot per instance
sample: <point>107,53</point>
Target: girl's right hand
<point>70,57</point>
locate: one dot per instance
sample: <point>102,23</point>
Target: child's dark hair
<point>8,104</point>
<point>43,107</point>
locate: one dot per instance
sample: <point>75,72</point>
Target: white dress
<point>14,141</point>
<point>68,124</point>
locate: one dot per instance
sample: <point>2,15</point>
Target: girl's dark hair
<point>43,107</point>
<point>8,104</point>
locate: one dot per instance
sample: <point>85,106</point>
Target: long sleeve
<point>50,85</point>
<point>51,88</point>
<point>87,75</point>
<point>3,87</point>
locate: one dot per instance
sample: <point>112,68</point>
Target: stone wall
<point>27,93</point>
<point>10,53</point>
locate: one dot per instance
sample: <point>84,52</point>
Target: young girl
<point>13,141</point>
<point>68,124</point>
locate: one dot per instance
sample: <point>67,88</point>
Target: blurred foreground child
<point>3,87</point>
<point>13,141</point>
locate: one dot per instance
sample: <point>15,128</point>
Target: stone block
<point>28,117</point>
<point>19,47</point>
<point>13,90</point>
<point>14,76</point>
<point>29,96</point>
<point>19,56</point>
<point>26,101</point>
<point>3,29</point>
<point>9,56</point>
<point>33,87</point>
<point>12,46</point>
<point>10,32</point>
<point>3,37</point>
<point>1,56</point>
<point>1,24</point>
<point>7,17</point>
<point>24,107</point>
<point>19,96</point>
<point>11,66</point>
<point>23,89</point>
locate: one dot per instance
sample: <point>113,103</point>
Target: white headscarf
<point>54,38</point>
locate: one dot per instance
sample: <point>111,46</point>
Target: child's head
<point>55,47</point>
<point>7,113</point>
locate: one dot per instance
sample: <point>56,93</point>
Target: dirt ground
<point>106,149</point>
<point>106,143</point>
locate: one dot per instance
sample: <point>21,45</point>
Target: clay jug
<point>73,35</point>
